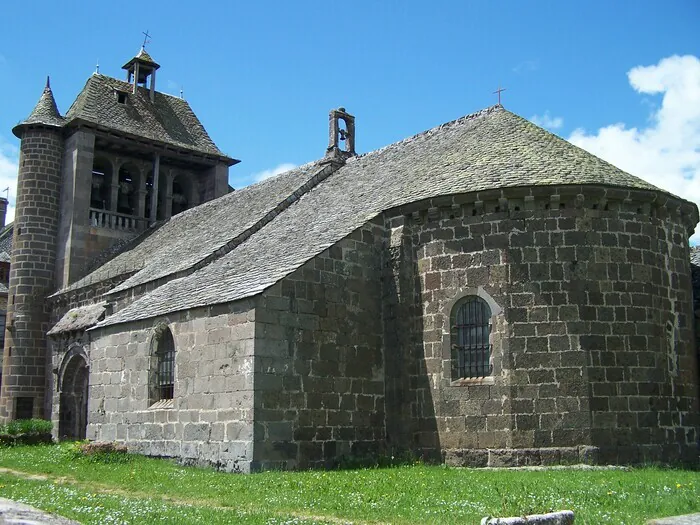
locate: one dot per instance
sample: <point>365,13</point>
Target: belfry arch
<point>128,192</point>
<point>73,387</point>
<point>182,194</point>
<point>100,192</point>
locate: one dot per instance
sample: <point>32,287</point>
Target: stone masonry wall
<point>319,365</point>
<point>643,373</point>
<point>76,184</point>
<point>31,275</point>
<point>592,350</point>
<point>211,421</point>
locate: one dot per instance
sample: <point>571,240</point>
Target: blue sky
<point>621,79</point>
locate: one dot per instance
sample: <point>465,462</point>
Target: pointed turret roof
<point>45,112</point>
<point>142,57</point>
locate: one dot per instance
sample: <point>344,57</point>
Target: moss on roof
<point>490,149</point>
<point>45,112</point>
<point>167,119</point>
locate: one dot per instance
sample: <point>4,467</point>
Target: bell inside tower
<point>341,128</point>
<point>101,184</point>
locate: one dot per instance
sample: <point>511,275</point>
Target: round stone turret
<point>24,374</point>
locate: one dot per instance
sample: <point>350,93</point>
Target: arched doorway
<point>74,396</point>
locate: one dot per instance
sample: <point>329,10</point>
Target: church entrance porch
<point>73,397</point>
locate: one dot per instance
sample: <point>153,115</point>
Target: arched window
<point>470,323</point>
<point>165,364</point>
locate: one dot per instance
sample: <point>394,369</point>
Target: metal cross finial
<point>499,90</point>
<point>7,193</point>
<point>146,38</point>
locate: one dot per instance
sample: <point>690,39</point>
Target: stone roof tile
<point>45,112</point>
<point>168,120</point>
<point>695,255</point>
<point>79,318</point>
<point>191,236</point>
<point>695,274</point>
<point>142,56</point>
<point>490,149</point>
<point>6,238</point>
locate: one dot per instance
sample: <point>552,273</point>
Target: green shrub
<point>26,426</point>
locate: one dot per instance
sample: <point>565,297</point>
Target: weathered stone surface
<point>12,512</point>
<point>23,391</point>
<point>583,352</point>
<point>319,332</point>
<point>686,519</point>
<point>564,517</point>
<point>211,416</point>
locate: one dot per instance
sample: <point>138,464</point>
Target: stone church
<point>482,293</point>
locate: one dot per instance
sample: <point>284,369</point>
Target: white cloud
<point>527,66</point>
<point>547,121</point>
<point>266,174</point>
<point>666,151</point>
<point>9,158</point>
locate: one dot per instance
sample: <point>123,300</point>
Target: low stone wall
<point>525,457</point>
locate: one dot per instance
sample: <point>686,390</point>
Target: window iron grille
<point>166,366</point>
<point>470,338</point>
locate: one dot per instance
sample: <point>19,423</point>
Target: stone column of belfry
<point>31,272</point>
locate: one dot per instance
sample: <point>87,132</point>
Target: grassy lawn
<point>131,489</point>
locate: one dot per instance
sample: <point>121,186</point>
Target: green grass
<point>143,490</point>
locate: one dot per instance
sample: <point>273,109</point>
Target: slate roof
<point>142,56</point>
<point>45,112</point>
<point>194,234</point>
<point>168,120</point>
<point>6,242</point>
<point>695,274</point>
<point>79,318</point>
<point>490,149</point>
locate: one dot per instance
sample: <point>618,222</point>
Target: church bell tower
<point>123,159</point>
